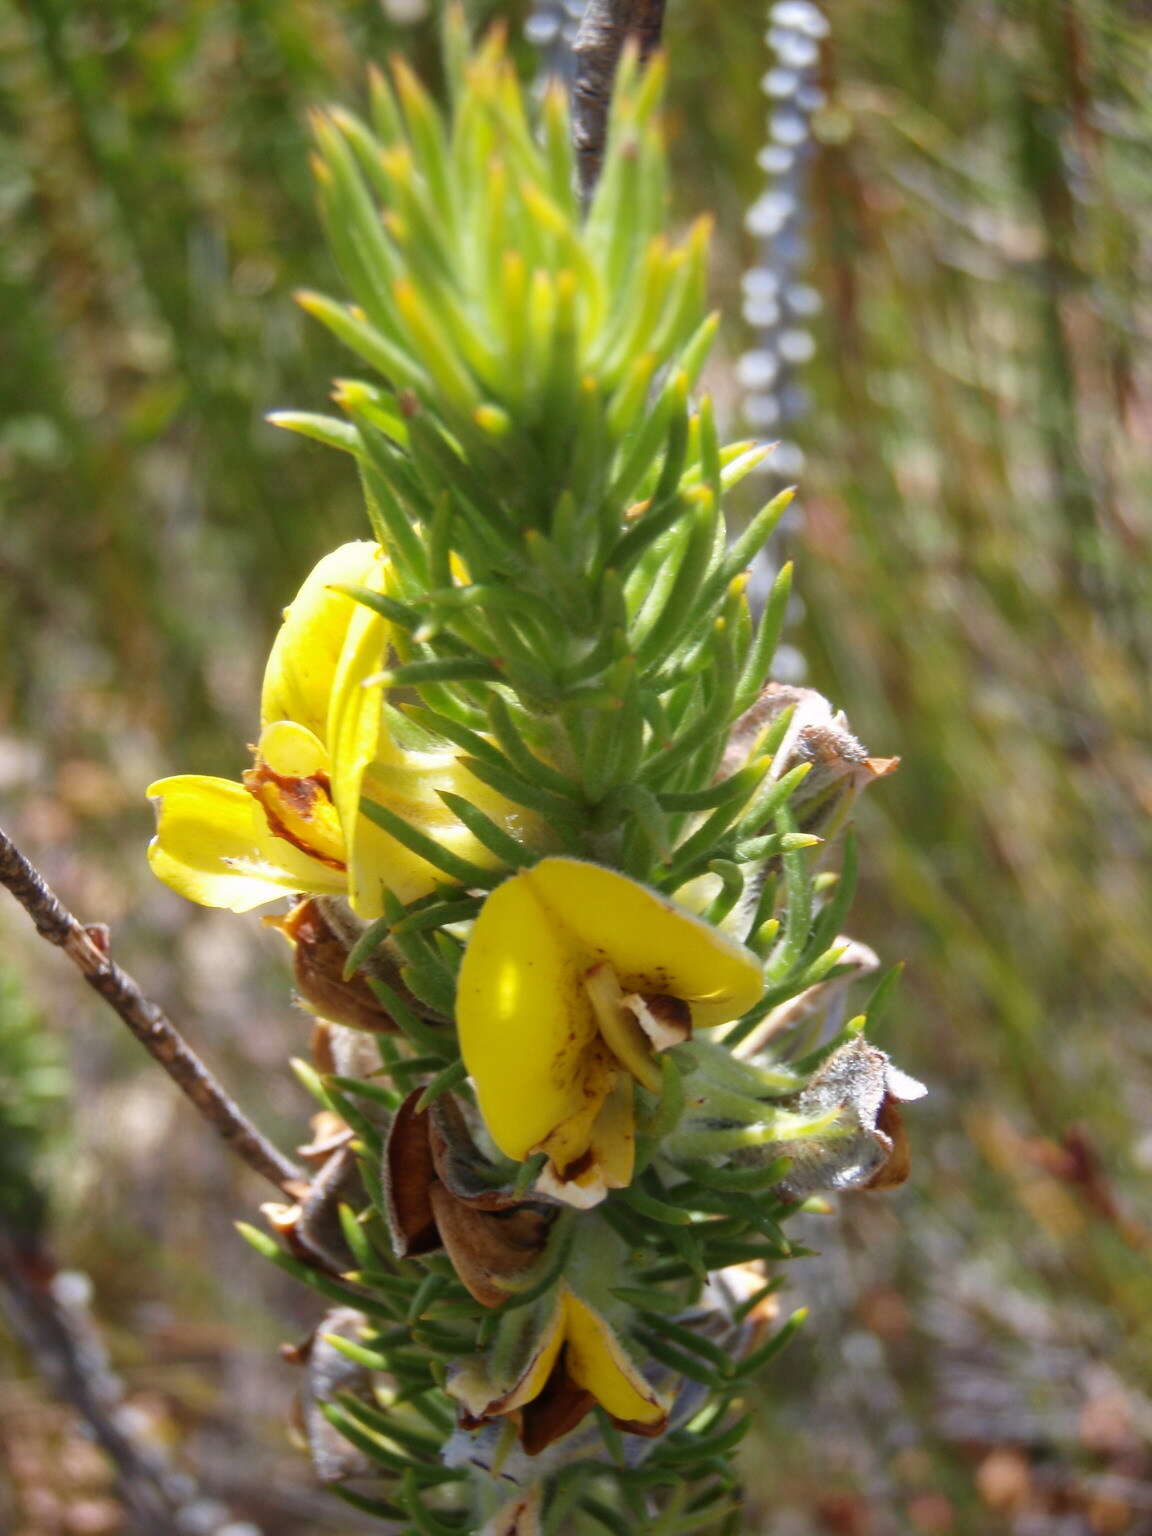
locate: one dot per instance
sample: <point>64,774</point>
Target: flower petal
<point>595,1359</point>
<point>524,1017</point>
<point>300,671</point>
<point>531,1337</point>
<point>365,761</point>
<point>614,1135</point>
<point>408,783</point>
<point>292,750</point>
<point>291,782</point>
<point>653,945</point>
<point>620,1027</point>
<point>538,1370</point>
<point>608,1144</point>
<point>353,727</point>
<point>212,846</point>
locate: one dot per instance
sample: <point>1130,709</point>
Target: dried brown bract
<point>440,1193</point>
<point>318,961</point>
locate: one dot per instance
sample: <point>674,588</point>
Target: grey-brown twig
<point>62,1343</point>
<point>87,949</point>
<point>604,29</point>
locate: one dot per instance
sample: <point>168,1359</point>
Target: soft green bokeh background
<point>974,566</point>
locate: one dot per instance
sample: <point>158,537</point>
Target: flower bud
<point>328,1375</point>
<point>864,1145</point>
<point>311,1228</point>
<point>838,1129</point>
<point>839,765</point>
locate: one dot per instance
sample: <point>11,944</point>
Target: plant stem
<point>605,28</point>
<point>87,949</point>
<point>72,1368</point>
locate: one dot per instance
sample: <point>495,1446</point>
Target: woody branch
<point>87,948</point>
<point>606,26</point>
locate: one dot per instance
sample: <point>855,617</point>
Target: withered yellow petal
<point>652,944</point>
<point>597,1361</point>
<point>517,1365</point>
<point>599,1149</point>
<point>291,782</point>
<point>524,1017</point>
<point>539,1368</point>
<point>302,665</point>
<point>212,845</point>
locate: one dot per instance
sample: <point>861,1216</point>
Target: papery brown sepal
<point>437,1196</point>
<point>318,961</point>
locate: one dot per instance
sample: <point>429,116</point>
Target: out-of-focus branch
<point>76,1373</point>
<point>87,948</point>
<point>606,26</point>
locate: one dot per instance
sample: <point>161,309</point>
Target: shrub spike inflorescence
<point>552,830</point>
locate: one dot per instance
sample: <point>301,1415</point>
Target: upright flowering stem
<point>547,828</point>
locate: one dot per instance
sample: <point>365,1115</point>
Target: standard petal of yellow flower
<point>409,783</point>
<point>325,746</point>
<point>302,665</point>
<point>354,727</point>
<point>525,1020</point>
<point>213,846</point>
<point>381,861</point>
<point>653,945</point>
<point>367,762</point>
<point>596,1361</point>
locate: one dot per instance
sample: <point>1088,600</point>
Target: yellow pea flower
<point>574,977</point>
<point>577,1360</point>
<point>294,823</point>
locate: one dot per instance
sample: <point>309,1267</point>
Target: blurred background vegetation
<point>974,567</point>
